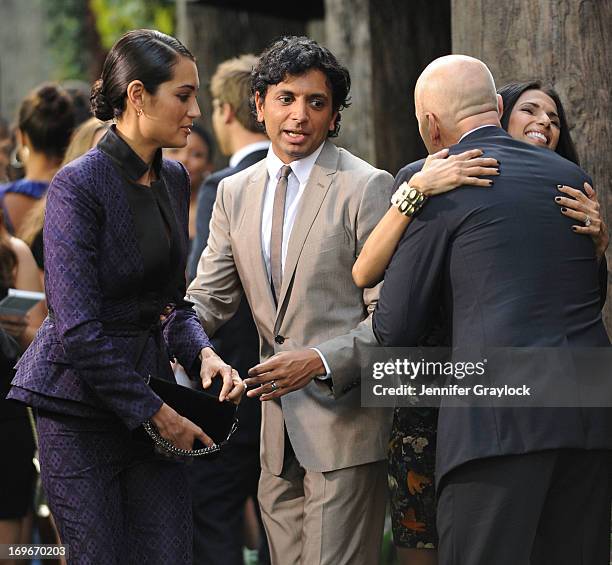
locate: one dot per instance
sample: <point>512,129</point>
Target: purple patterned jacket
<point>76,365</point>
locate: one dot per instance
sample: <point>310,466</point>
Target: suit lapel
<point>314,193</point>
<point>253,210</point>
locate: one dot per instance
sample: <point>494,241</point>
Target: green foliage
<point>67,38</point>
<point>115,17</point>
<point>73,46</point>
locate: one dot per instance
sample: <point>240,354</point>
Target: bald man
<point>516,486</point>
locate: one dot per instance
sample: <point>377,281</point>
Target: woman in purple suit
<point>115,241</point>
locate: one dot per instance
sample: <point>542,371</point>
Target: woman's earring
<point>139,112</point>
<point>19,155</point>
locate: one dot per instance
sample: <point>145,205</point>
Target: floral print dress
<point>412,451</point>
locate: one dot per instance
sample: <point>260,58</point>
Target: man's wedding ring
<point>587,220</point>
<point>273,385</point>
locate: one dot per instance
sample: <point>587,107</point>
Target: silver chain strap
<point>169,447</point>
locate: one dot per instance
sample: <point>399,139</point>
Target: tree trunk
<point>565,43</point>
<point>385,44</point>
<point>24,62</point>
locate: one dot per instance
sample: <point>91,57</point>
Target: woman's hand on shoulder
<point>442,173</point>
<point>585,208</point>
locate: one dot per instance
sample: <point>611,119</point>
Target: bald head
<point>459,92</point>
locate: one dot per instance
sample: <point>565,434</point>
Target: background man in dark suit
<point>238,135</point>
<point>511,273</point>
<point>222,486</point>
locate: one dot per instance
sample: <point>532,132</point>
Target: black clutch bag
<point>217,419</point>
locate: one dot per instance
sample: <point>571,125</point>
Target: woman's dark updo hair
<point>512,91</point>
<point>46,115</point>
<point>142,54</point>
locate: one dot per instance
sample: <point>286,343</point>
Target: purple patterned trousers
<point>113,500</point>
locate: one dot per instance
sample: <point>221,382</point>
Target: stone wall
<point>24,57</point>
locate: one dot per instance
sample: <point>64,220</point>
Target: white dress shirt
<point>296,183</point>
<point>473,130</point>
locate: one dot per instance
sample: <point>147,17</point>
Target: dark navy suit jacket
<point>237,341</point>
<point>510,273</point>
<point>92,257</point>
<point>206,201</point>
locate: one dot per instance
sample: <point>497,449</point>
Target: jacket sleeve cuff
<point>148,411</point>
<point>327,374</point>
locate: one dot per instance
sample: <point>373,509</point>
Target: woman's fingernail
<point>559,186</point>
<point>563,209</point>
<point>557,199</point>
<point>573,228</point>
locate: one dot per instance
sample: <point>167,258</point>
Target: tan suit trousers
<point>331,518</point>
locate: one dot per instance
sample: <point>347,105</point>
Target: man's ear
<point>332,123</point>
<point>433,128</point>
<point>259,106</point>
<point>135,94</point>
<point>500,106</point>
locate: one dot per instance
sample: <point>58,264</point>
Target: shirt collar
<point>247,150</point>
<point>473,130</point>
<point>301,168</point>
<point>125,157</point>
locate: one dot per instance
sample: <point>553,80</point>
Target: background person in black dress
<point>17,474</point>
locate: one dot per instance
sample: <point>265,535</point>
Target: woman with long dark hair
<point>531,97</point>
<point>533,113</point>
<point>115,246</point>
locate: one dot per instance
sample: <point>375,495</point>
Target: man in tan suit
<point>287,231</point>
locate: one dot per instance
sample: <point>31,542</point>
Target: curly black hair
<point>293,55</point>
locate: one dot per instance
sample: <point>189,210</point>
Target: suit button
<point>279,339</point>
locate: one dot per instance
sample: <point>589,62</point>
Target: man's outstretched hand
<point>284,373</point>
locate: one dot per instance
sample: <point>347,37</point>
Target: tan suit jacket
<point>319,304</point>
